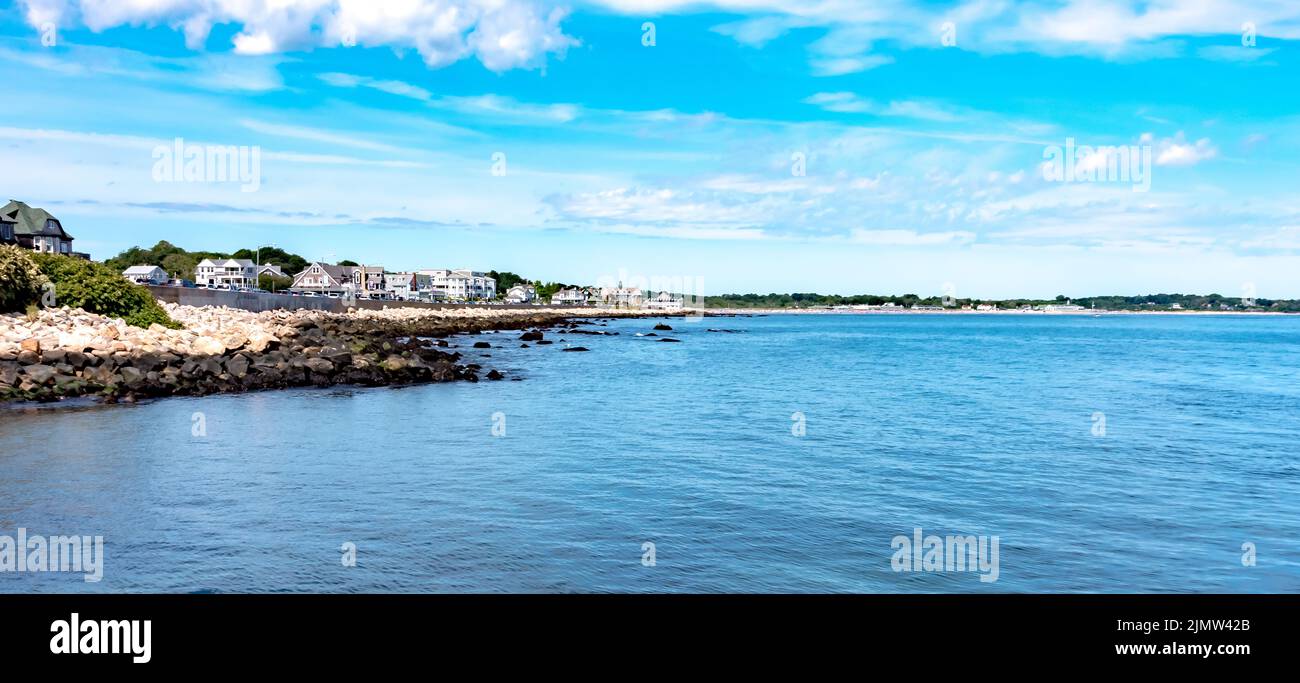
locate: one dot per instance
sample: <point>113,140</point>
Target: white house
<point>226,273</point>
<point>146,275</point>
<point>569,297</point>
<point>521,294</point>
<point>461,285</point>
<point>402,286</point>
<point>664,302</point>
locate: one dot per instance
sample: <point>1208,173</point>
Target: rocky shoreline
<point>65,353</point>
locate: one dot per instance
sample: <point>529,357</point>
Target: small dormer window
<point>52,224</point>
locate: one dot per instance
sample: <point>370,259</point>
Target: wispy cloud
<point>502,34</point>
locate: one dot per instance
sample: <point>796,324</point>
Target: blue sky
<point>921,130</point>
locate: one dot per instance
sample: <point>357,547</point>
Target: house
<point>322,278</point>
<point>521,294</point>
<point>229,272</point>
<point>406,286</point>
<point>621,297</point>
<point>423,287</point>
<point>269,269</point>
<point>664,302</point>
<point>146,275</point>
<point>569,297</point>
<point>461,285</point>
<point>369,279</point>
<point>35,229</point>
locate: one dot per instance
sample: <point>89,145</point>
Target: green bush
<point>21,280</point>
<point>97,288</point>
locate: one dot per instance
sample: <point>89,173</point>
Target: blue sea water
<point>979,425</point>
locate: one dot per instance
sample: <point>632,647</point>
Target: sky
<point>836,146</point>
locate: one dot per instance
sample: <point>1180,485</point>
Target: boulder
<point>132,377</point>
<point>8,374</point>
<point>207,346</point>
<point>530,336</point>
<point>576,348</point>
<point>662,327</point>
<point>237,365</point>
<point>39,374</point>
<point>319,365</point>
<point>482,345</point>
<point>31,345</point>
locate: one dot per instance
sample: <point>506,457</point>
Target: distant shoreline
<point>908,311</point>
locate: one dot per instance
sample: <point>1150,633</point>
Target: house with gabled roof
<point>36,229</point>
<point>230,272</point>
<point>323,278</point>
<point>146,275</point>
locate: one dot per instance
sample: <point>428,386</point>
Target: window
<point>65,247</point>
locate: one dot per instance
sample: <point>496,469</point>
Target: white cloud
<point>1176,151</point>
<point>911,238</point>
<point>502,34</point>
<point>839,66</point>
<point>1106,28</point>
<point>220,72</point>
<point>851,103</point>
<point>328,138</point>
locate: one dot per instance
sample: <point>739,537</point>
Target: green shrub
<point>94,287</point>
<point>21,280</point>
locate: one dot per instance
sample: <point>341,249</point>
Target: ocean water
<point>1105,454</point>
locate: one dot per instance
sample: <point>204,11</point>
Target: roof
<point>140,270</point>
<point>226,263</point>
<point>32,221</point>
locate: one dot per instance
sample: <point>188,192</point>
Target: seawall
<point>266,301</point>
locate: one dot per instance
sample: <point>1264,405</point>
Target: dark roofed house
<point>322,278</point>
<point>37,230</point>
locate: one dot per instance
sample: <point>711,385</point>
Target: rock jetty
<point>65,352</point>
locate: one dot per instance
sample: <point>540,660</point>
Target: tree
<point>98,288</point>
<point>274,283</point>
<point>506,280</point>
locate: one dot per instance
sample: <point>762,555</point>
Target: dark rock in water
<point>474,366</point>
<point>724,330</point>
<point>661,327</point>
<point>669,339</point>
<point>576,348</point>
<point>516,379</point>
<point>545,342</point>
<point>442,343</point>
<point>494,375</point>
<point>482,345</point>
<point>524,346</point>
<point>530,336</point>
<point>651,334</point>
